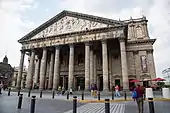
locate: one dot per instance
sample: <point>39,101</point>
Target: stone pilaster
<point>51,71</point>
<point>19,77</point>
<point>42,69</point>
<point>31,71</point>
<point>151,64</point>
<point>137,64</point>
<point>71,67</point>
<point>95,69</point>
<point>124,65</point>
<point>91,67</point>
<point>87,66</point>
<point>37,70</point>
<point>56,78</point>
<point>105,66</point>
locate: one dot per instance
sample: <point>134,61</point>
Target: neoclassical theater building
<point>75,50</point>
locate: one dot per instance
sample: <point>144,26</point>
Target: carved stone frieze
<point>73,39</point>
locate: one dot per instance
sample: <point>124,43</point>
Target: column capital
<point>150,51</point>
<point>71,45</point>
<point>121,39</point>
<point>57,47</point>
<point>22,51</point>
<point>135,52</point>
<point>103,41</point>
<point>87,43</point>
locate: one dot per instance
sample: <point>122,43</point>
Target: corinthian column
<point>56,78</point>
<point>42,69</point>
<point>31,71</point>
<point>124,64</point>
<point>51,71</point>
<point>105,66</point>
<point>19,77</point>
<point>71,67</point>
<point>37,70</point>
<point>87,66</point>
<point>95,69</point>
<point>91,67</point>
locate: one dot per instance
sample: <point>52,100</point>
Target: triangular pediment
<point>68,22</point>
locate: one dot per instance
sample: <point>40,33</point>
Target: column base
<point>105,90</point>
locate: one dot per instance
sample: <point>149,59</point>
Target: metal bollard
<point>107,106</point>
<point>32,109</point>
<point>67,95</point>
<point>82,96</point>
<point>112,95</point>
<point>151,105</point>
<point>9,91</point>
<point>98,95</point>
<point>29,93</point>
<point>20,101</point>
<point>18,92</point>
<point>40,93</point>
<point>125,95</point>
<point>75,104</point>
<point>53,94</point>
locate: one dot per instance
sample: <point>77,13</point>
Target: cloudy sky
<point>18,17</point>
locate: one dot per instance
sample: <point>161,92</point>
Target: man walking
<point>139,99</point>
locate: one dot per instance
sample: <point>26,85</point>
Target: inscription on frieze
<point>74,39</point>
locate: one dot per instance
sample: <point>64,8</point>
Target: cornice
<point>152,41</point>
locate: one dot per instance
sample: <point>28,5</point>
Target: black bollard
<point>18,92</point>
<point>151,105</point>
<point>40,93</point>
<point>20,101</point>
<point>82,96</point>
<point>98,95</point>
<point>9,91</point>
<point>67,95</point>
<point>29,93</point>
<point>125,95</point>
<point>53,94</point>
<point>107,106</point>
<point>75,104</point>
<point>32,109</point>
<point>112,95</point>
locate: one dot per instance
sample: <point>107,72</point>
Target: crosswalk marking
<point>99,108</point>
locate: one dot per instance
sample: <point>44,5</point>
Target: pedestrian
<point>117,94</point>
<point>1,86</point>
<point>138,96</point>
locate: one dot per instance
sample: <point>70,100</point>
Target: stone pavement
<point>99,108</point>
<point>8,104</point>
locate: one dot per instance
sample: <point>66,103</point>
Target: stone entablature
<point>77,37</point>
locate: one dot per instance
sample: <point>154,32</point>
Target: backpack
<point>134,94</point>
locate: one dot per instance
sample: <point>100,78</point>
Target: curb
<point>119,100</point>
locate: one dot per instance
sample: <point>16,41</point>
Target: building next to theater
<point>23,78</point>
<point>76,50</point>
<point>6,72</point>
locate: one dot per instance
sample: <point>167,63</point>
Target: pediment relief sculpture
<point>68,24</point>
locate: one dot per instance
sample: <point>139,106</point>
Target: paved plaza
<point>8,104</point>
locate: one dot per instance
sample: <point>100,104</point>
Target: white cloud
<point>13,26</point>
